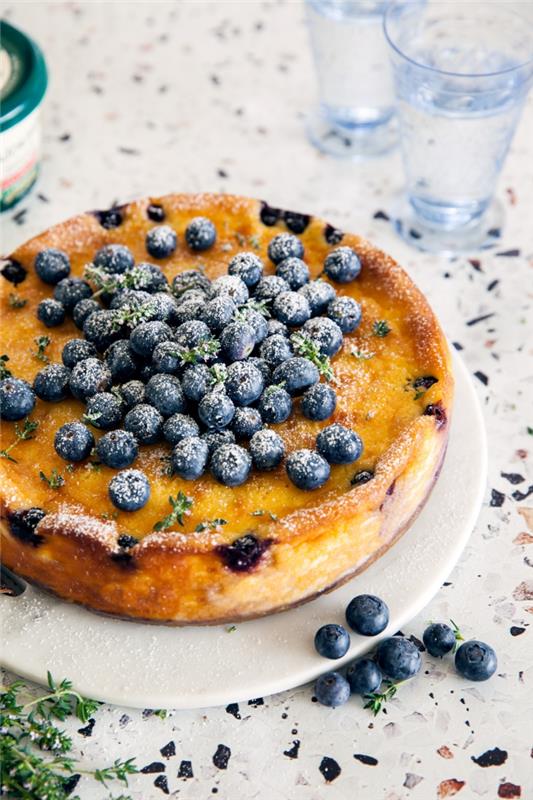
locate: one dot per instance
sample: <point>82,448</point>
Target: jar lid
<point>23,77</point>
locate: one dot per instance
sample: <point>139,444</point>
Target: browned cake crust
<point>305,542</point>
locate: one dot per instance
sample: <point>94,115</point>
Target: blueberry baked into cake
<point>211,409</point>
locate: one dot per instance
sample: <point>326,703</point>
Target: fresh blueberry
<point>231,286</point>
<point>164,392</point>
<point>218,312</point>
<point>178,427</point>
<point>318,294</point>
<point>297,374</point>
<point>269,287</point>
<point>200,234</point>
<point>398,658</point>
<point>189,458</point>
<point>102,329</point>
<point>342,265</point>
<point>89,377</point>
<point>190,309</point>
<point>248,267</point>
<point>346,312</point>
<point>215,439</point>
<point>50,312</point>
<point>76,350</point>
<point>69,292</point>
<point>332,641</point>
<point>114,258</point>
<point>318,402</point>
<point>121,361</point>
<point>104,411</point>
<point>332,690</point>
<point>291,308</point>
<point>246,422</point>
<point>83,309</point>
<point>52,383</point>
<point>52,265</point>
<point>23,524</point>
<point>277,328</point>
<point>190,279</point>
<point>237,341</point>
<point>244,383</point>
<point>145,422</point>
<point>129,490</point>
<point>150,278</point>
<point>155,212</point>
<point>196,382</point>
<point>166,358</point>
<point>275,405</point>
<point>256,322</point>
<point>145,337</point>
<point>192,333</point>
<point>325,333</point>
<point>73,441</point>
<point>231,464</point>
<point>294,271</point>
<point>364,676</point>
<point>117,449</point>
<point>307,469</point>
<point>339,445</point>
<point>267,449</point>
<point>367,614</point>
<point>362,477</point>
<point>439,639</point>
<point>275,350</point>
<point>283,246</point>
<point>132,393</point>
<point>476,661</point>
<point>262,366</point>
<point>216,410</point>
<point>16,399</point>
<point>161,241</point>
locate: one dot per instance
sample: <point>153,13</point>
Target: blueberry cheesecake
<point>212,412</point>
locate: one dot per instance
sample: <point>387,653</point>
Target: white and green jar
<point>23,81</point>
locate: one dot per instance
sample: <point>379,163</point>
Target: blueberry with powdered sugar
<point>122,362</point>
<point>244,383</point>
<point>267,449</point>
<point>69,292</point>
<point>114,258</point>
<point>275,328</point>
<point>161,241</point>
<point>284,245</point>
<point>215,439</point>
<point>269,287</point>
<point>164,392</point>
<point>346,312</point>
<point>294,271</point>
<point>342,265</point>
<point>145,423</point>
<point>275,404</point>
<point>150,277</point>
<point>83,309</point>
<point>339,445</point>
<point>89,377</point>
<point>262,366</point>
<point>307,469</point>
<point>17,399</point>
<point>200,234</point>
<point>147,335</point>
<point>191,334</point>
<point>52,265</point>
<point>132,393</point>
<point>291,308</point>
<point>318,294</point>
<point>218,312</point>
<point>129,490</point>
<point>318,402</point>
<point>190,279</point>
<point>117,449</point>
<point>246,422</point>
<point>166,358</point>
<point>296,374</point>
<point>189,458</point>
<point>130,298</point>
<point>103,411</point>
<point>256,321</point>
<point>50,312</point>
<point>216,410</point>
<point>196,382</point>
<point>237,341</point>
<point>231,286</point>
<point>102,328</point>
<point>164,307</point>
<point>52,383</point>
<point>275,350</point>
<point>178,427</point>
<point>231,465</point>
<point>190,309</point>
<point>248,267</point>
<point>76,350</point>
<point>73,441</point>
<point>325,333</point>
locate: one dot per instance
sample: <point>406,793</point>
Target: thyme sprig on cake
<point>4,371</point>
<point>22,435</point>
<point>309,349</point>
<point>16,301</point>
<point>181,505</point>
<point>42,343</point>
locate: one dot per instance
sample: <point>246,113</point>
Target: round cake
<point>212,409</point>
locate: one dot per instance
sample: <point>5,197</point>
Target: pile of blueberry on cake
<point>208,366</point>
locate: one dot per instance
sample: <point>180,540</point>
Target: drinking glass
<point>355,115</point>
<point>461,72</point>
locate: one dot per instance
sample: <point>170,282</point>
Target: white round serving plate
<point>138,665</point>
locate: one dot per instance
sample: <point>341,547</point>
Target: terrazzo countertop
<point>148,98</point>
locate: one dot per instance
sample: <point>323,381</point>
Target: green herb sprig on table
<point>306,347</point>
<point>180,508</point>
<point>375,700</point>
<point>22,435</point>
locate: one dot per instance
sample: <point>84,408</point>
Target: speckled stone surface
<point>152,98</point>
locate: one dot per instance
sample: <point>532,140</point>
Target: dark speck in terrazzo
<point>370,761</point>
<point>522,495</point>
<point>233,709</point>
<point>292,752</point>
<point>88,729</point>
<point>123,721</point>
<point>513,477</point>
<point>492,285</point>
<point>497,499</point>
<point>70,784</point>
<point>458,346</point>
<point>222,173</point>
<point>483,317</point>
<point>381,215</point>
<point>509,791</point>
<point>20,216</point>
<point>185,770</point>
<point>258,701</point>
<point>476,263</point>
<point>155,766</point>
<point>516,630</point>
<point>222,756</point>
<point>513,253</point>
<point>481,377</point>
<point>162,783</point>
<point>168,750</point>
<point>491,758</point>
<point>329,769</point>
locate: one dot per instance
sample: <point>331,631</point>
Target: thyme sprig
<point>458,635</point>
<point>306,347</point>
<point>16,301</point>
<point>22,435</point>
<point>381,328</point>
<point>62,700</point>
<point>375,700</point>
<point>4,371</point>
<point>260,306</point>
<point>42,343</point>
<point>107,283</point>
<point>361,354</point>
<point>55,481</point>
<point>181,505</point>
<point>205,351</point>
<point>131,316</point>
<point>210,524</point>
